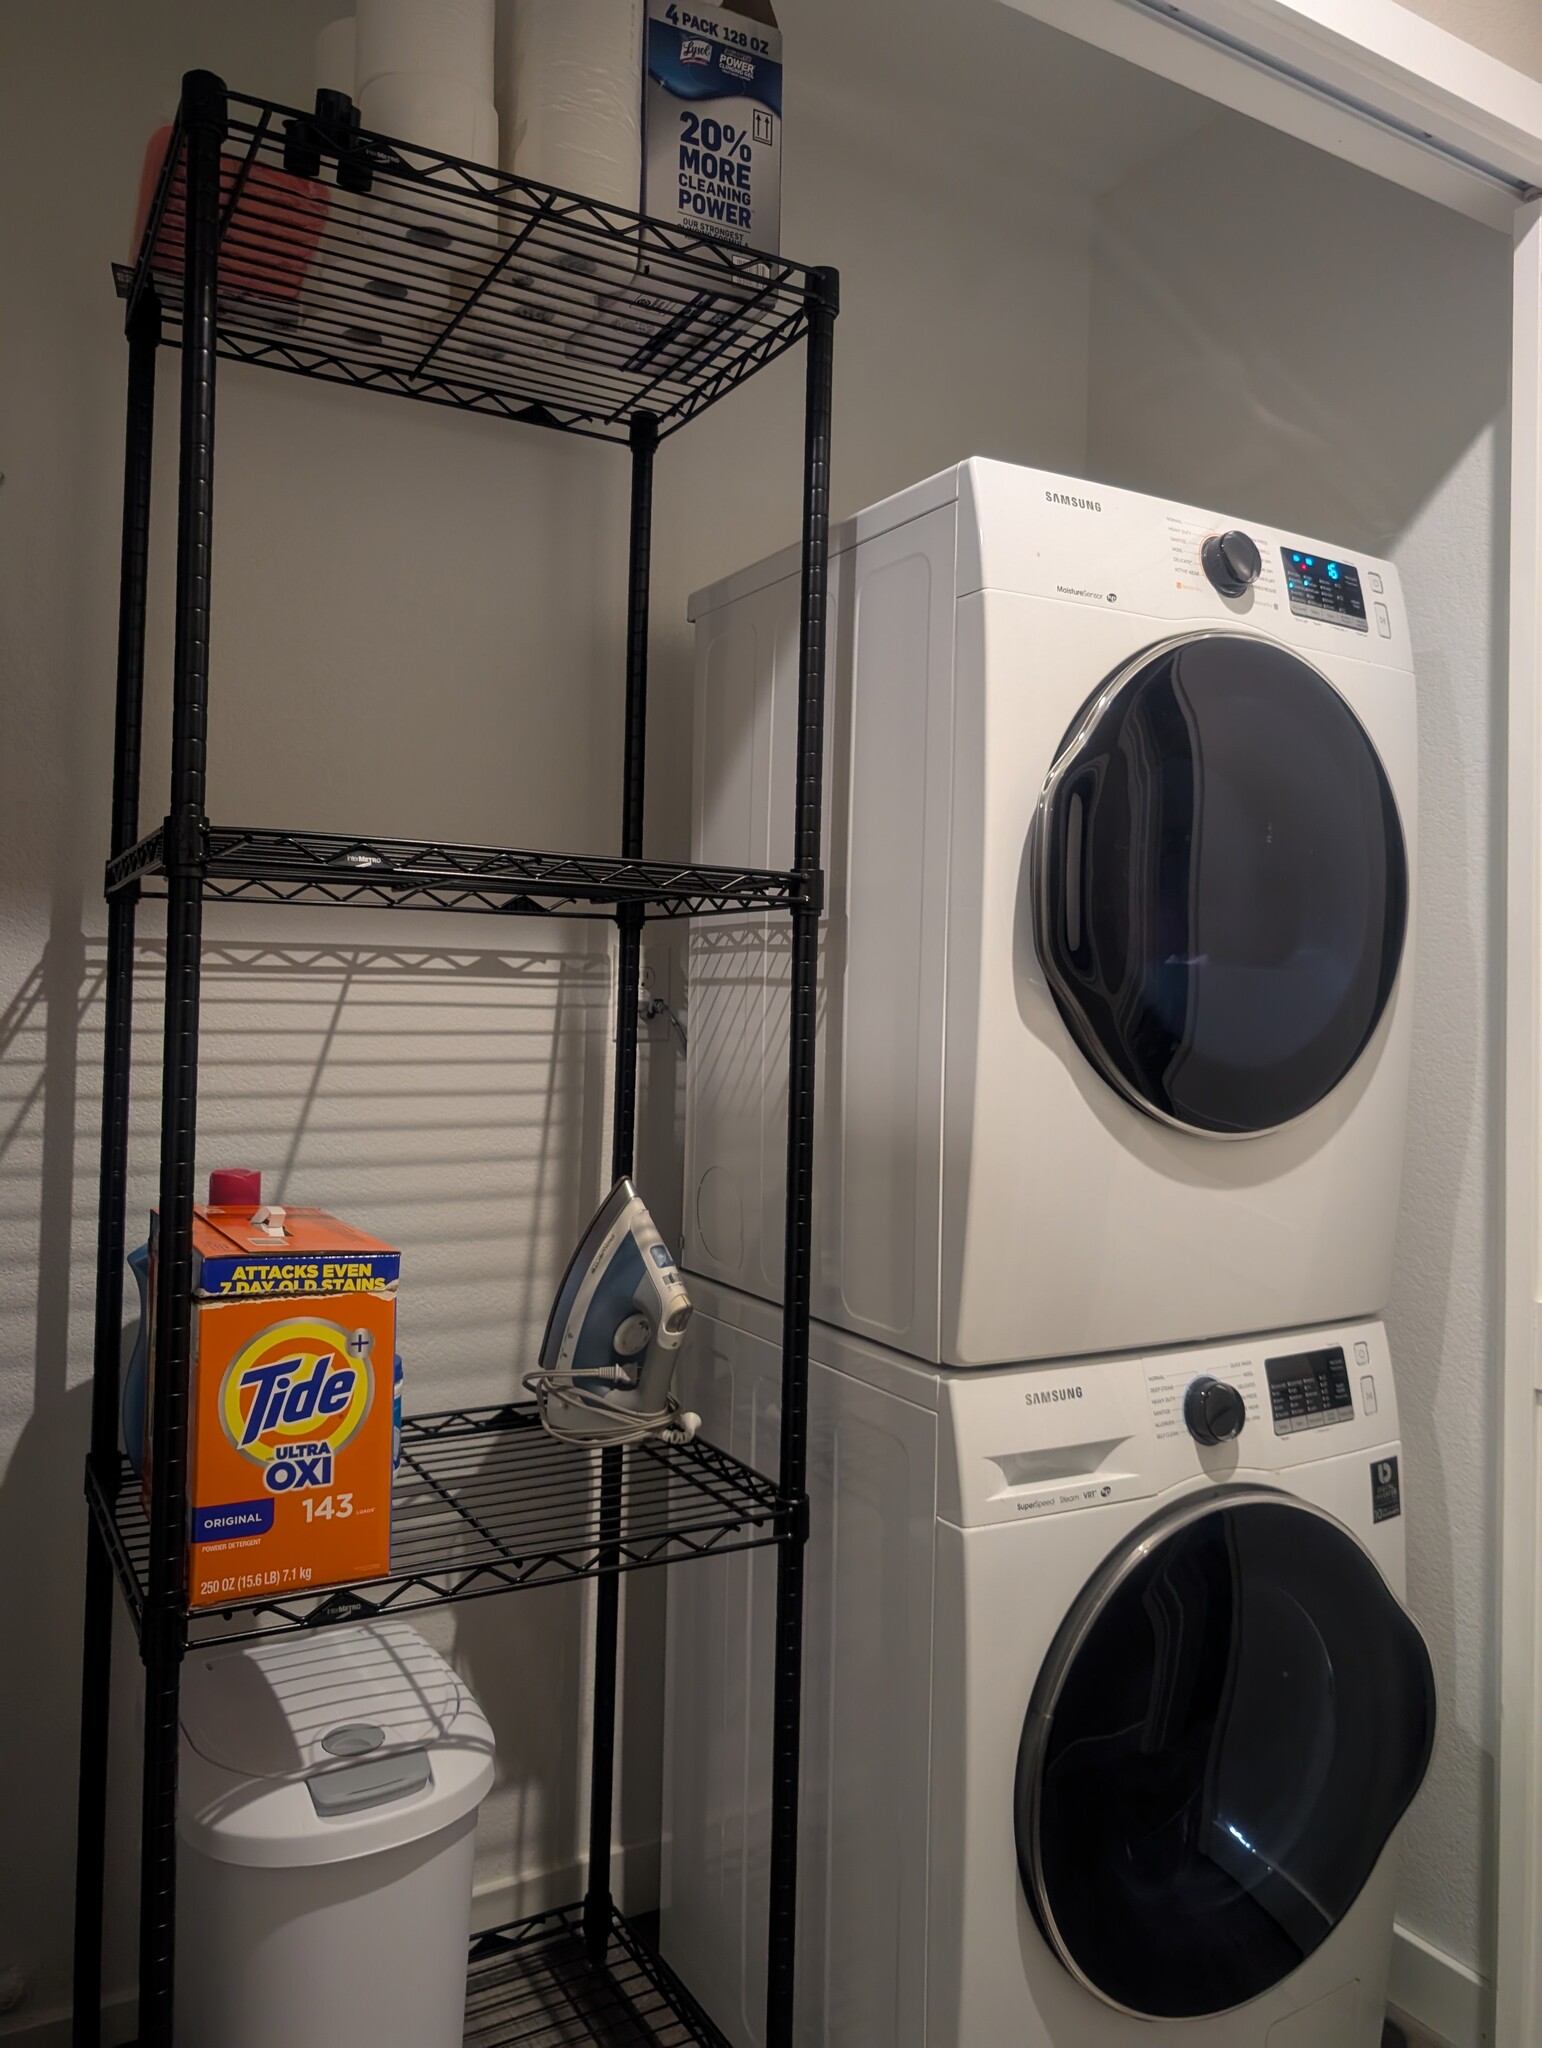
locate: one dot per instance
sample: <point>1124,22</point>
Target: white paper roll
<point>447,116</point>
<point>452,38</point>
<point>429,107</point>
<point>570,94</point>
<point>334,57</point>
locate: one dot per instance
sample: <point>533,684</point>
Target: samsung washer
<point>1112,1707</point>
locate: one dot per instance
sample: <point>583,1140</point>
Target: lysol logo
<point>1046,1394</point>
<point>293,1397</point>
<point>692,52</point>
<point>1076,504</point>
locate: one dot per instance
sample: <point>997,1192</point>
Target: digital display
<point>1323,588</point>
<point>1309,1390</point>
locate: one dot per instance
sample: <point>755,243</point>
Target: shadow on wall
<point>448,1098</point>
<point>1317,377</point>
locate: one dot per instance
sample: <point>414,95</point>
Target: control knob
<point>1231,561</point>
<point>1214,1411</point>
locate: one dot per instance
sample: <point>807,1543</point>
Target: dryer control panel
<point>1325,588</point>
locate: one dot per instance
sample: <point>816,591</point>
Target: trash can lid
<point>270,1709</point>
<point>321,1747</point>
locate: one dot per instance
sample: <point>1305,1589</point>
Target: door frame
<point>1377,85</point>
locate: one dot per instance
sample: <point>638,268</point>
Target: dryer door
<point>1228,1727</point>
<point>1220,884</point>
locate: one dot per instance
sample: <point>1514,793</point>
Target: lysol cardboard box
<point>289,1418</point>
<point>712,121</point>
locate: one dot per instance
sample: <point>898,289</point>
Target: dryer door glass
<point>1230,1724</point>
<point>1220,884</point>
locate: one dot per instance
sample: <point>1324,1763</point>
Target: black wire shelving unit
<point>297,241</point>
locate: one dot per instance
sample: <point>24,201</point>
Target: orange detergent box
<point>290,1395</point>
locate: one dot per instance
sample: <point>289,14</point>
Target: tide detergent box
<point>289,1403</point>
<point>712,121</point>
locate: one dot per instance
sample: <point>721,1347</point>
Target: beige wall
<point>418,628</point>
<point>1508,29</point>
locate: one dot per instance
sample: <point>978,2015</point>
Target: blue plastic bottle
<point>133,1404</point>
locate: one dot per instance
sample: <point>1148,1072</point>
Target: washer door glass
<point>1220,884</point>
<point>1230,1724</point>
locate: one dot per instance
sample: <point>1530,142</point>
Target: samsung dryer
<point>1111,1706</point>
<point>1115,1003</point>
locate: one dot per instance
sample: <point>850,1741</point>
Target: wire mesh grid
<point>533,1985</point>
<point>485,1502</point>
<point>255,865</point>
<point>461,284</point>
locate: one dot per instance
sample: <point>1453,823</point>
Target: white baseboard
<point>1441,1995</point>
<point>119,2021</point>
<point>634,1883</point>
<point>1444,1997</point>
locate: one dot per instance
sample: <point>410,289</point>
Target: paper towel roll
<point>570,93</point>
<point>334,57</point>
<point>459,230</point>
<point>452,38</point>
<point>444,115</point>
<point>429,107</point>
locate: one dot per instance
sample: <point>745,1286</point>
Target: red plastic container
<point>272,234</point>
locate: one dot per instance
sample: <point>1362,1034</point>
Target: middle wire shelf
<point>245,864</point>
<point>486,1502</point>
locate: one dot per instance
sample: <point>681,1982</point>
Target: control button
<point>1368,1393</point>
<point>1383,622</point>
<point>1231,561</point>
<point>1214,1411</point>
<point>1374,580</point>
<point>1362,1352</point>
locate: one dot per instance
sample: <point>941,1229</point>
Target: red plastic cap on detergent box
<point>235,1187</point>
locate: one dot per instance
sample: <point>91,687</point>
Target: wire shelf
<point>486,1502</point>
<point>533,1985</point>
<point>367,260</point>
<point>257,866</point>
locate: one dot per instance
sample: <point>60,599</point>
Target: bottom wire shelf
<point>532,1984</point>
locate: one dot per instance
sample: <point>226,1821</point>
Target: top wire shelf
<point>365,260</point>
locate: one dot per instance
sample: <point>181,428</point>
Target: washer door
<point>1228,1727</point>
<point>1220,884</point>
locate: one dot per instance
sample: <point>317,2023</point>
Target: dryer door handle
<point>1068,820</point>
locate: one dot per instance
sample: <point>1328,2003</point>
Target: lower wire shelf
<point>533,1984</point>
<point>486,1502</point>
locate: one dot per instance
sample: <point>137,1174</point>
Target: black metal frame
<point>222,201</point>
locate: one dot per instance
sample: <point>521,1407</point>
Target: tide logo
<point>294,1397</point>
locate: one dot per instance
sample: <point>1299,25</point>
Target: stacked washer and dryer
<point>1112,1706</point>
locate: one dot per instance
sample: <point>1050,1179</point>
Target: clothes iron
<point>608,1356</point>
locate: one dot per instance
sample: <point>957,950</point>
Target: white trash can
<point>327,1813</point>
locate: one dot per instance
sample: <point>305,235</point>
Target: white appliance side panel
<point>1072,1222</point>
<point>739,653</point>
<point>887,776</point>
<point>1002,1592</point>
<point>889,926</point>
<point>866,1705</point>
